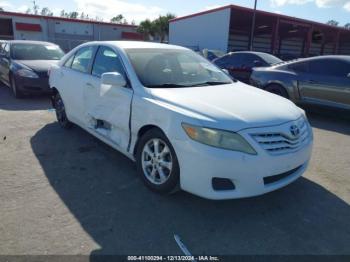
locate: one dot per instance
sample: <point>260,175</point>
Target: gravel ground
<point>64,192</point>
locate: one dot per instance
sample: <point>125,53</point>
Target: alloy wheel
<point>157,161</point>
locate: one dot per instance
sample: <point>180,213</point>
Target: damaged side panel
<point>108,112</point>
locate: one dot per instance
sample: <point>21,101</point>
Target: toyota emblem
<point>294,130</point>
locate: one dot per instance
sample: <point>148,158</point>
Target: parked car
<point>24,65</point>
<point>241,64</point>
<point>183,120</point>
<point>322,80</point>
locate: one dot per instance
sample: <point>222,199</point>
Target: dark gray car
<point>322,80</point>
<point>24,65</point>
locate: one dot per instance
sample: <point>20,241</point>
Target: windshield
<point>174,68</point>
<point>36,52</point>
<point>270,59</point>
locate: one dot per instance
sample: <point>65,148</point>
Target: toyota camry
<point>185,123</point>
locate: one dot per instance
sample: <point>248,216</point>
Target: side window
<point>223,61</point>
<point>82,59</point>
<point>236,60</point>
<point>107,61</point>
<point>248,60</point>
<point>330,67</point>
<point>69,61</point>
<point>299,67</point>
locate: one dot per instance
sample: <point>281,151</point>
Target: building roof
<point>64,19</point>
<point>29,42</point>
<point>240,8</point>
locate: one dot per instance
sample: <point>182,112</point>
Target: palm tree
<point>162,26</point>
<point>146,28</point>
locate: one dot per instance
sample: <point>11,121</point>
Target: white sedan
<point>185,122</point>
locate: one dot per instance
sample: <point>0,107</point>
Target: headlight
<point>27,73</point>
<point>218,138</point>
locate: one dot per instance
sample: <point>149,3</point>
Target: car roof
<point>250,52</point>
<point>315,58</point>
<point>29,42</point>
<point>138,44</point>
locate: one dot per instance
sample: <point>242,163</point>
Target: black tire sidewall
<point>174,178</point>
<point>64,124</point>
<point>282,91</point>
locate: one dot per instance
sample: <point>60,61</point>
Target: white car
<point>184,121</point>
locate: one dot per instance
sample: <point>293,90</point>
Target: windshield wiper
<point>168,85</point>
<point>211,83</point>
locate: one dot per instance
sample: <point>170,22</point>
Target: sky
<point>138,10</point>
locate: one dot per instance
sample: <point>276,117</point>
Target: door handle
<point>89,85</point>
<point>312,82</point>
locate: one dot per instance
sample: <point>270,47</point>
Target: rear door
<point>326,81</point>
<point>74,75</point>
<point>107,109</point>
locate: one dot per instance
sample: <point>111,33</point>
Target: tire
<point>159,169</point>
<point>61,112</point>
<point>17,93</point>
<point>277,90</point>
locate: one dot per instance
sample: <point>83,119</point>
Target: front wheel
<point>156,162</point>
<point>61,112</point>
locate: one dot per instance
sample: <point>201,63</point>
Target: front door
<point>107,108</point>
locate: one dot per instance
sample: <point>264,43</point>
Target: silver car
<point>322,80</point>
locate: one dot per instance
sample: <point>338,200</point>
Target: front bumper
<point>33,85</point>
<point>199,164</point>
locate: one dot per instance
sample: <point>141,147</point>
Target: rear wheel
<point>17,93</point>
<point>61,112</point>
<point>157,163</point>
<point>277,90</point>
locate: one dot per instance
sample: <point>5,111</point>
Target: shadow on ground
<point>327,118</point>
<point>10,103</point>
<point>101,189</point>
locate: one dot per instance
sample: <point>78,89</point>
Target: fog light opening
<point>220,184</point>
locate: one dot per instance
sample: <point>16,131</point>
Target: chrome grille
<point>284,141</point>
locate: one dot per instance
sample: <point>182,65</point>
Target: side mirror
<point>257,63</point>
<point>348,75</point>
<point>114,79</point>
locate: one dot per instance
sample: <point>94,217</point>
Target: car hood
<point>38,65</point>
<point>233,107</point>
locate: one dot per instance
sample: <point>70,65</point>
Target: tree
<point>347,26</point>
<point>333,23</point>
<point>63,13</point>
<point>117,19</point>
<point>158,27</point>
<point>73,15</point>
<point>2,9</point>
<point>35,8</point>
<point>46,12</point>
<point>146,28</point>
